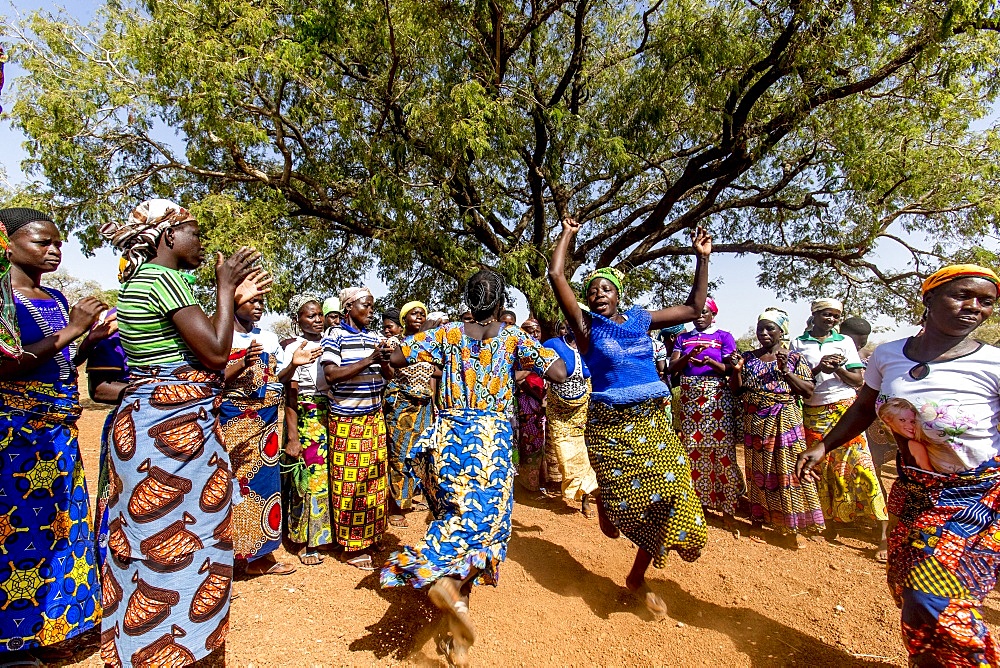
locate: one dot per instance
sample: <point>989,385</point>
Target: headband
<point>956,271</point>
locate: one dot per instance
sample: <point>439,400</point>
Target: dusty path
<point>561,601</point>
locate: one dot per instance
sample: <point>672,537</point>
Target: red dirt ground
<point>561,601</point>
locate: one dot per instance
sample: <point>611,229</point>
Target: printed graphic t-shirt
<point>957,405</point>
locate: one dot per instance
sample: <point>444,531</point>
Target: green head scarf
<point>609,273</point>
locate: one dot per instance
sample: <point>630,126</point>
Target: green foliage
<point>432,138</point>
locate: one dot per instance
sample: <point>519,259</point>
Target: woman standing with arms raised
<point>468,460</point>
<point>48,582</point>
<point>167,580</point>
<point>943,554</point>
<point>643,472</point>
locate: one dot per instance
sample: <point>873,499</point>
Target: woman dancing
<point>566,420</point>
<point>943,556</point>
<point>644,475</point>
<point>470,472</point>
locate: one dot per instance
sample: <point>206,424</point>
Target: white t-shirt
<point>310,377</point>
<point>267,339</point>
<point>829,387</point>
<point>957,405</point>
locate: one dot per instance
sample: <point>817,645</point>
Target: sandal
<point>446,596</point>
<point>801,542</point>
<point>310,558</point>
<point>362,562</point>
<point>882,554</point>
<point>276,568</point>
<point>587,509</point>
<point>398,521</point>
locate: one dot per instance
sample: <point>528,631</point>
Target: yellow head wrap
<point>956,271</point>
<point>409,306</point>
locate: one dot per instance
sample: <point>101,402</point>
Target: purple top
<point>51,312</point>
<point>719,345</point>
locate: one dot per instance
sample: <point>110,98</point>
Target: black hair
<point>391,315</point>
<point>17,217</point>
<point>505,313</point>
<point>856,325</point>
<point>485,293</point>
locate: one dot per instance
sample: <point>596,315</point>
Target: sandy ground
<point>561,601</point>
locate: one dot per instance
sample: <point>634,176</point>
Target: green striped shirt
<point>144,306</point>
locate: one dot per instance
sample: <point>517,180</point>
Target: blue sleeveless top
<point>620,359</point>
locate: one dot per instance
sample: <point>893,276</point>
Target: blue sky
<point>739,298</point>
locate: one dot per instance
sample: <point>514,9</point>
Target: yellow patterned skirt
<point>848,484</point>
<point>566,422</point>
<point>358,478</point>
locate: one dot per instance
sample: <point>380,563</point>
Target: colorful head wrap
<point>409,306</point>
<point>608,273</point>
<point>711,305</point>
<point>673,330</point>
<point>825,303</point>
<point>331,305</point>
<point>296,303</point>
<point>16,218</point>
<point>777,316</point>
<point>138,236</point>
<point>350,295</point>
<point>956,271</point>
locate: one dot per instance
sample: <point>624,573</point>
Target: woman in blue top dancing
<point>642,470</point>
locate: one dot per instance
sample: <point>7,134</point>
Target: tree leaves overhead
<point>429,138</point>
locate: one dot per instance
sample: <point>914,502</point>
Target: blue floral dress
<point>468,472</point>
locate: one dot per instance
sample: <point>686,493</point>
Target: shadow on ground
<point>764,641</point>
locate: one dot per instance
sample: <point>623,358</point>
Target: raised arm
<point>81,317</point>
<point>212,338</point>
<point>701,241</point>
<point>575,318</point>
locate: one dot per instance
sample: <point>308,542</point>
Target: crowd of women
<point>624,411</point>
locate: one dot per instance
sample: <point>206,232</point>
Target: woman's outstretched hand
<point>701,241</point>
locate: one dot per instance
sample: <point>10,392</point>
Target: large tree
<point>429,137</point>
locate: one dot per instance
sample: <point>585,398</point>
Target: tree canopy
<point>430,138</point>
